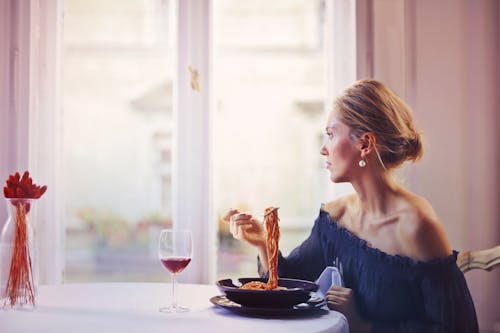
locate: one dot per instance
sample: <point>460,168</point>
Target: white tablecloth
<point>133,307</point>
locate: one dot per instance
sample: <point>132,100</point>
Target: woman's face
<point>342,154</point>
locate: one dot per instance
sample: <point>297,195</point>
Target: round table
<point>133,307</point>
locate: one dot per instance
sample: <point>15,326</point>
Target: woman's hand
<point>246,228</point>
<point>342,300</point>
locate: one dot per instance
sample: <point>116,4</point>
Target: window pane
<point>117,137</point>
<point>269,73</point>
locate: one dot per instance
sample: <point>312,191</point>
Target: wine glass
<point>174,251</point>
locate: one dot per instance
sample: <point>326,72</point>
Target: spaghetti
<point>271,220</point>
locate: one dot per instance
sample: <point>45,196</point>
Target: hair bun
<point>414,148</point>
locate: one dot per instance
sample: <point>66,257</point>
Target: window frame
<point>31,125</point>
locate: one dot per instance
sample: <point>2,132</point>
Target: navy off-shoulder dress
<point>396,293</point>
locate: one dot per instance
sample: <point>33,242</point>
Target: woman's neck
<point>376,194</point>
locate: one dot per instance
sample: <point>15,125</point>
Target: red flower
<point>24,187</point>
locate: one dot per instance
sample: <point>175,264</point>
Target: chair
<point>486,259</point>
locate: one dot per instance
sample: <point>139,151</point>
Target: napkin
<point>331,276</point>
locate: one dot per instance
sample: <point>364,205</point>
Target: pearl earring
<point>362,163</point>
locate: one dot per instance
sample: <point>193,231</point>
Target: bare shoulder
<point>338,207</point>
<point>421,231</point>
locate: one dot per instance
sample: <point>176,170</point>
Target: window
<point>123,149</point>
<point>118,129</point>
<point>269,97</point>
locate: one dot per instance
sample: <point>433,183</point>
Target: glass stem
<point>174,296</point>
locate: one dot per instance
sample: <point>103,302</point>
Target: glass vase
<point>18,257</point>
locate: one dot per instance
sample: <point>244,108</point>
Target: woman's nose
<point>323,150</point>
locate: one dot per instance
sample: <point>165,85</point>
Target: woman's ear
<point>367,143</point>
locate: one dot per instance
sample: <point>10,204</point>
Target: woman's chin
<point>338,178</point>
<point>334,178</point>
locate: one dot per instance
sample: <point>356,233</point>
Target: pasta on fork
<point>271,220</point>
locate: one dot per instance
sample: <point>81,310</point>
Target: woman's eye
<point>329,135</point>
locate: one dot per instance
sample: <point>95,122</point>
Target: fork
<point>272,210</point>
<point>258,214</point>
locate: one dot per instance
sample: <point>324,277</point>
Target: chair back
<point>486,259</point>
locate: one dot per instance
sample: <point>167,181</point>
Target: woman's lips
<point>328,164</point>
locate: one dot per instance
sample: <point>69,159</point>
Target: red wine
<point>175,264</point>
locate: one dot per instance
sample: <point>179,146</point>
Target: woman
<point>399,270</point>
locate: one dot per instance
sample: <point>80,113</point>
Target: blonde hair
<point>369,106</point>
